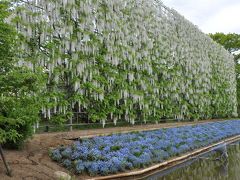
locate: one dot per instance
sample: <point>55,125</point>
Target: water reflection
<point>223,169</point>
<point>221,164</point>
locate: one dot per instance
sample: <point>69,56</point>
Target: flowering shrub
<point>124,58</point>
<point>121,152</point>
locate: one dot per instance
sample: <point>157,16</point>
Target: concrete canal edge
<point>172,162</point>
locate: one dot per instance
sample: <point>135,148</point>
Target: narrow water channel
<point>211,166</point>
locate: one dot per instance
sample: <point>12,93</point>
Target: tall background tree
<point>20,88</point>
<point>231,42</point>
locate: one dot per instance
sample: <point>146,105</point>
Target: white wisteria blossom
<point>126,59</point>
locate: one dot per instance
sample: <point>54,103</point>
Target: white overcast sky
<point>210,15</point>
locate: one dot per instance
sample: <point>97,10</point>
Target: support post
<point>9,173</point>
<point>71,122</point>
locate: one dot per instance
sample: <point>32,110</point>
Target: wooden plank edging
<point>174,160</point>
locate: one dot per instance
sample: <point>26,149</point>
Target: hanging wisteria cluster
<point>125,59</point>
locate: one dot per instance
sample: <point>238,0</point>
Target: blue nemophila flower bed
<point>122,152</point>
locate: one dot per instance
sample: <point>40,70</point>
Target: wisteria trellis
<point>125,59</point>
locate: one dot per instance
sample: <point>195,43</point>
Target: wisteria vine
<point>125,59</point>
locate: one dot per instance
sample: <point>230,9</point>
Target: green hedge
<point>126,59</point>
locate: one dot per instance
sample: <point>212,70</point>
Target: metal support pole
<point>71,122</point>
<point>9,173</point>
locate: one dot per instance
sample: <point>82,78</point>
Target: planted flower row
<point>116,153</point>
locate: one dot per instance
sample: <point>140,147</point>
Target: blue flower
<point>67,153</point>
<point>93,169</point>
<point>136,161</point>
<point>116,153</point>
<point>94,154</point>
<point>183,148</point>
<point>67,164</point>
<point>76,155</point>
<point>173,151</point>
<point>105,168</point>
<point>145,159</point>
<point>160,155</point>
<point>56,155</point>
<point>79,167</point>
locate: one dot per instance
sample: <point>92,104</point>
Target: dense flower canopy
<point>125,59</point>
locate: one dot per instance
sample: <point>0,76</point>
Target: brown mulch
<point>33,162</point>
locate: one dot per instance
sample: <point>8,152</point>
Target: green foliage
<point>231,42</point>
<point>113,60</point>
<point>20,88</point>
<point>115,148</point>
<point>6,40</point>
